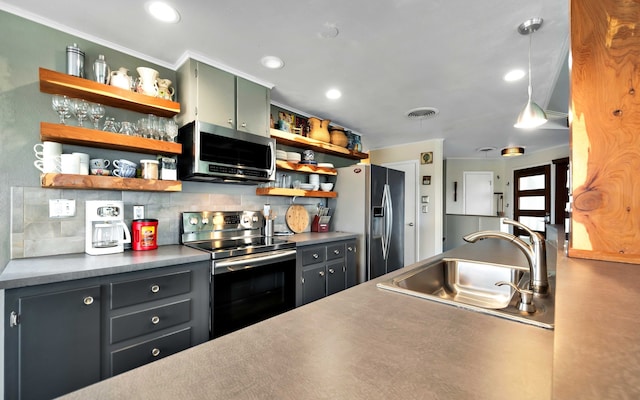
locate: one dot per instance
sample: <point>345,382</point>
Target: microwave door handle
<point>127,234</point>
<point>272,150</point>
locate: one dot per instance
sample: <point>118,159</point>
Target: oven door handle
<point>252,261</point>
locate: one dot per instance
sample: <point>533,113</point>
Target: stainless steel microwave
<point>213,153</point>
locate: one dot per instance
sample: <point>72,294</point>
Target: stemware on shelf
<point>110,125</point>
<point>80,109</point>
<point>96,112</point>
<point>62,105</point>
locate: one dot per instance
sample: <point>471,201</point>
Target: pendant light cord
<point>530,38</point>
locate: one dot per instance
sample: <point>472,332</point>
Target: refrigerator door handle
<point>383,239</point>
<point>389,217</point>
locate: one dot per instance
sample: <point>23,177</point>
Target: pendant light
<point>512,151</point>
<point>532,115</point>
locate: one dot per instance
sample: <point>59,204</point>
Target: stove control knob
<point>193,221</point>
<point>255,218</point>
<point>205,221</point>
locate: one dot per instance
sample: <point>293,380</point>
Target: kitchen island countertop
<point>361,343</point>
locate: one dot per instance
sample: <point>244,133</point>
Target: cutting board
<point>297,218</point>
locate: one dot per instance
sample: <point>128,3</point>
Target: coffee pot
<point>106,232</point>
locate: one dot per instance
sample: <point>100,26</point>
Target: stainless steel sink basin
<point>471,285</point>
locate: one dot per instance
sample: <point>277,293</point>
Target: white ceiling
<point>389,57</point>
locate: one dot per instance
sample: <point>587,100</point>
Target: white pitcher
<point>148,81</point>
<point>121,78</point>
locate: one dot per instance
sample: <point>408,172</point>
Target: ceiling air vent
<point>423,113</point>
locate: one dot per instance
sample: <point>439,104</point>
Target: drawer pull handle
<point>155,289</point>
<point>350,248</point>
<point>155,352</point>
<point>321,273</point>
<point>336,252</point>
<point>155,319</point>
<point>244,125</point>
<point>230,121</point>
<point>316,256</point>
<point>331,270</point>
<point>88,300</point>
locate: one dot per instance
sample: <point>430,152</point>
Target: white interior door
<point>411,216</point>
<point>478,193</point>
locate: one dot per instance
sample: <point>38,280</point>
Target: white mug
<point>48,164</point>
<point>84,163</point>
<point>70,164</point>
<point>47,148</point>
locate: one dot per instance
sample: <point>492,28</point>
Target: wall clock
<point>426,158</point>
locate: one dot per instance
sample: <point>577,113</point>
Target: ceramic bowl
<point>326,187</point>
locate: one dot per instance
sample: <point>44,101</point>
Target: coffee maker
<point>106,232</point>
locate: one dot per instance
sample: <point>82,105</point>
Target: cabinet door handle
<point>88,300</point>
<point>336,252</point>
<point>230,121</point>
<point>349,248</point>
<point>331,270</point>
<point>316,256</point>
<point>321,273</point>
<point>244,124</point>
<point>155,288</point>
<point>155,319</point>
<point>155,352</point>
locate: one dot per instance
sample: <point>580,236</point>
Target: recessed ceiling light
<point>514,75</point>
<point>162,11</point>
<point>333,94</point>
<point>272,62</point>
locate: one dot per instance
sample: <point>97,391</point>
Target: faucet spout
<point>535,252</point>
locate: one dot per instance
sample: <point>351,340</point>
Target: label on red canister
<point>148,236</point>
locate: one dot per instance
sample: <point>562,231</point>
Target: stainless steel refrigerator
<point>370,202</point>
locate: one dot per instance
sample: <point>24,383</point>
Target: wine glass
<point>80,109</point>
<point>61,104</point>
<point>96,112</point>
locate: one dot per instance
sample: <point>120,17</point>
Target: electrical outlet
<point>425,208</point>
<point>138,212</point>
<point>61,208</point>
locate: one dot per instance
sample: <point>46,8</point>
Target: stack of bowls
<point>314,179</point>
<point>281,154</point>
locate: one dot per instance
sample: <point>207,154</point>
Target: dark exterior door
<point>532,198</point>
<point>55,347</point>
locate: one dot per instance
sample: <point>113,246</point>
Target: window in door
<point>532,198</point>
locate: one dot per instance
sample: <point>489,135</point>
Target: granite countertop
<point>42,270</point>
<point>361,343</point>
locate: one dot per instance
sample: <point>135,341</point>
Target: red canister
<point>144,234</point>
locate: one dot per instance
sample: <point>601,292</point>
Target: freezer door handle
<point>388,221</point>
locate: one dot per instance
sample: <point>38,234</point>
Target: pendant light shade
<point>532,115</point>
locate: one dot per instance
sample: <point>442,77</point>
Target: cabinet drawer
<point>335,251</point>
<point>146,352</point>
<point>138,291</point>
<point>313,255</point>
<point>150,320</point>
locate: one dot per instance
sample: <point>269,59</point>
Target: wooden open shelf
<point>94,182</point>
<point>302,142</point>
<point>54,82</point>
<point>107,140</point>
<point>294,192</point>
<point>311,169</point>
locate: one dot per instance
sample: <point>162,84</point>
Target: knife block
<point>320,224</point>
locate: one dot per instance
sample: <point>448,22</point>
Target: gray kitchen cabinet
<point>211,95</point>
<point>64,336</point>
<point>52,342</point>
<point>325,270</point>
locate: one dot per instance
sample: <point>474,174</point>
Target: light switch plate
<point>425,208</point>
<point>138,212</point>
<point>62,208</point>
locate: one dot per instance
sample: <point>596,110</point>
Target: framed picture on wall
<point>426,180</point>
<point>426,158</point>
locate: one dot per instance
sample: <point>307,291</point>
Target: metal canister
<point>75,61</point>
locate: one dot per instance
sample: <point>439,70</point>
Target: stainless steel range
<point>252,276</point>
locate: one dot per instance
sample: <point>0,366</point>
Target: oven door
<point>252,288</point>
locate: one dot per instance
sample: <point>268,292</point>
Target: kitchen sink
<point>471,285</point>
